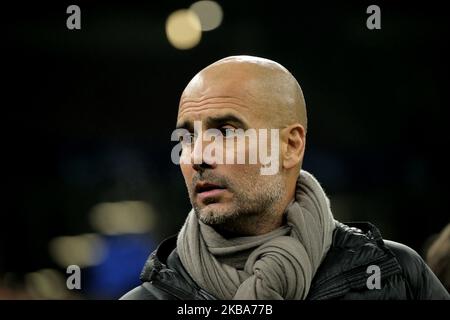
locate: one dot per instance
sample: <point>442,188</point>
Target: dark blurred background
<point>87,117</point>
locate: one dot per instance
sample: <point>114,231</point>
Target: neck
<point>249,226</point>
<point>254,224</point>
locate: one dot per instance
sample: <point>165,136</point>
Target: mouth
<point>208,190</point>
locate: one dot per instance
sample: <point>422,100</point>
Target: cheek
<point>187,172</point>
<point>243,175</point>
<point>241,152</point>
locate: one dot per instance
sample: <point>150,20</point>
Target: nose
<point>200,159</point>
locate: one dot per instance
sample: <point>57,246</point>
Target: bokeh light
<point>183,29</point>
<point>210,14</point>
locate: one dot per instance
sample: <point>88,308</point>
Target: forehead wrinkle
<point>205,106</point>
<point>187,103</point>
<point>194,107</point>
<point>203,98</point>
<point>196,110</point>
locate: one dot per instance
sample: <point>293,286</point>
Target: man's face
<point>220,192</point>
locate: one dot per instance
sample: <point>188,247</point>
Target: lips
<point>202,187</point>
<point>208,193</point>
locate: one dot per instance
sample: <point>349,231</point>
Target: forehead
<point>206,97</point>
<point>207,106</point>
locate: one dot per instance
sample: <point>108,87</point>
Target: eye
<point>228,132</point>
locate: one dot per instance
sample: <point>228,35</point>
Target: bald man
<point>257,235</point>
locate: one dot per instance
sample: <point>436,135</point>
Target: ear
<point>293,140</point>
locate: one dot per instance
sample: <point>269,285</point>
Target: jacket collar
<point>355,247</point>
<point>164,270</point>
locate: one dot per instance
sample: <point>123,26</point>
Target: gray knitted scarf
<point>276,265</point>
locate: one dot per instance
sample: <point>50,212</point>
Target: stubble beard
<point>252,204</point>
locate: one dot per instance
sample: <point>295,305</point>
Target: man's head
<point>243,92</point>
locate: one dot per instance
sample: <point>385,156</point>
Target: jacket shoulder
<point>422,282</point>
<point>344,273</point>
<point>146,291</point>
<point>138,293</point>
<point>164,277</point>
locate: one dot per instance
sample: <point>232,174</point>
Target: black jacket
<point>342,275</point>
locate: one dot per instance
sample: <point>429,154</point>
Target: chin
<point>216,214</point>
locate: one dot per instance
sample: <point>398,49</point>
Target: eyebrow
<point>212,122</point>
